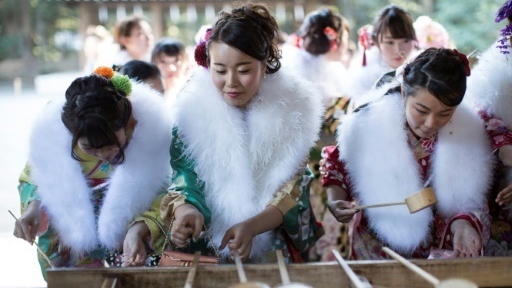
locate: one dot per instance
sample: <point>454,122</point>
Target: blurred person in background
<point>135,38</point>
<point>170,57</point>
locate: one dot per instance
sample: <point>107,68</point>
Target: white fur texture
<point>64,191</point>
<point>330,77</point>
<point>362,78</point>
<point>490,85</point>
<point>244,162</point>
<point>373,144</point>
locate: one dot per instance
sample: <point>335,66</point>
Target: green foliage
<point>470,23</point>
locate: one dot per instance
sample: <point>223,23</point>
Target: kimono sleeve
<point>27,189</point>
<point>186,186</point>
<point>299,223</point>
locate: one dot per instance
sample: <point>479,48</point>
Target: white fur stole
<point>382,167</point>
<point>63,188</point>
<point>243,163</point>
<point>490,85</point>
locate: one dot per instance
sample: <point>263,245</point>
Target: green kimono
<point>298,232</point>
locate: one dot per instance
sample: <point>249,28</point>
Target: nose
<point>173,68</point>
<point>232,80</point>
<point>430,122</point>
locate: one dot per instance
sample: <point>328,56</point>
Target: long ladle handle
<point>379,205</point>
<point>282,267</point>
<point>239,267</point>
<point>350,273</point>
<point>427,276</point>
<point>192,272</point>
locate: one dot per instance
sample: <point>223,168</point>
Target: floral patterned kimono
<point>367,235</point>
<point>80,218</point>
<point>231,163</point>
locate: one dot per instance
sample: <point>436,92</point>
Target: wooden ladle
<point>241,275</point>
<point>448,283</point>
<point>350,273</point>
<point>419,201</point>
<point>284,274</point>
<point>192,272</point>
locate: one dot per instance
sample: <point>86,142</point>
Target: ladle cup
<point>447,283</point>
<point>419,201</point>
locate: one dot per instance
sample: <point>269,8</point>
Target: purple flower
<point>504,11</point>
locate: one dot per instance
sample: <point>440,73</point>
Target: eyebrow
<point>237,64</point>
<point>425,107</point>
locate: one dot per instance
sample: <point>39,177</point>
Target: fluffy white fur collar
<point>65,193</point>
<point>490,85</point>
<point>363,78</point>
<point>373,144</point>
<point>244,162</point>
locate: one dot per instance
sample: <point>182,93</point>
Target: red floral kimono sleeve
<point>499,134</point>
<point>334,171</point>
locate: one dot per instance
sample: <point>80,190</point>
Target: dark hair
<point>96,110</point>
<point>312,30</point>
<point>124,28</point>
<point>441,72</point>
<point>139,70</point>
<point>252,30</point>
<point>397,20</point>
<point>170,47</point>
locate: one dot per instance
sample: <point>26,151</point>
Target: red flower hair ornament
<point>200,53</point>
<point>464,61</point>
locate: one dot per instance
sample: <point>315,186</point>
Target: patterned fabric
<point>364,243</point>
<point>299,225</point>
<point>500,242</point>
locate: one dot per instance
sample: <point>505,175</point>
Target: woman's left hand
<point>466,240</point>
<point>134,250</point>
<point>241,235</point>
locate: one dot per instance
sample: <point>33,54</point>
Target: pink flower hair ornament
<point>200,53</point>
<point>503,13</point>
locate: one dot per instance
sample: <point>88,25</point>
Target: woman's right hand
<point>188,222</point>
<point>341,210</point>
<point>26,226</point>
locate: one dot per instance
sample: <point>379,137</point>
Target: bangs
<point>97,132</point>
<point>398,28</point>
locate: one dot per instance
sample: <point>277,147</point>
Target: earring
<point>450,127</point>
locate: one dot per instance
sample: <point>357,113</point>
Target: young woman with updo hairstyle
<point>98,158</point>
<point>418,134</point>
<point>135,38</point>
<point>243,129</point>
<point>317,56</point>
<point>393,39</point>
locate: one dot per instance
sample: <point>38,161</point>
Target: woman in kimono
<point>320,40</point>
<point>98,159</point>
<point>243,129</point>
<point>419,134</point>
<point>490,89</point>
<point>391,42</point>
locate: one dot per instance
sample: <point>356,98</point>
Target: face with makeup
<point>394,51</point>
<point>236,75</point>
<point>425,114</point>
